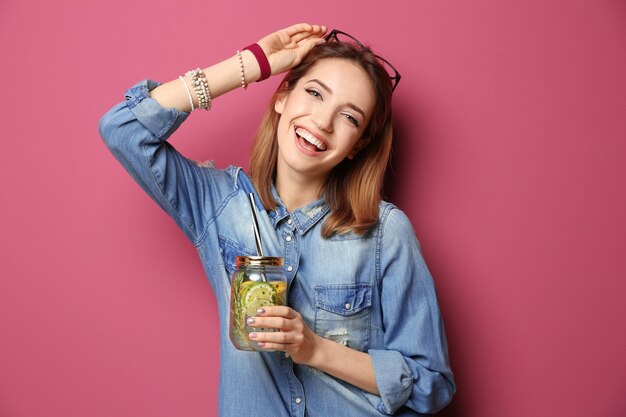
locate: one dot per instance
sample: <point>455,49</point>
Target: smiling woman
<point>361,333</point>
<point>319,126</point>
<point>353,187</point>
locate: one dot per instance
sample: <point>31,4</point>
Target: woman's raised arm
<point>136,130</point>
<point>284,50</point>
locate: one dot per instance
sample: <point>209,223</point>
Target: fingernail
<point>250,320</point>
<point>252,335</point>
<point>260,311</point>
<point>261,344</point>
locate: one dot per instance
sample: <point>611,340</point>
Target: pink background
<point>510,162</point>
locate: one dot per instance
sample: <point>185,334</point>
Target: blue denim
<point>373,293</point>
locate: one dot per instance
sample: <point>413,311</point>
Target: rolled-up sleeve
<point>413,369</point>
<point>136,131</point>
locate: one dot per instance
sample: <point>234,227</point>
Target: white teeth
<point>311,139</point>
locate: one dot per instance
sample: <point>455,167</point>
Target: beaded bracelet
<point>188,91</point>
<point>201,88</point>
<point>243,78</point>
<point>197,86</point>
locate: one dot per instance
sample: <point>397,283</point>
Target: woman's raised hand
<point>287,47</point>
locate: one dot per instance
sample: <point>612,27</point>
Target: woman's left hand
<point>294,336</point>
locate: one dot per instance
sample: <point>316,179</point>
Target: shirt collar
<point>303,218</point>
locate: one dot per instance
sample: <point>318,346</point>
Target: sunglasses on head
<point>339,36</point>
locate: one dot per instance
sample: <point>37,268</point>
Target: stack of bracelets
<point>200,84</point>
<point>201,88</point>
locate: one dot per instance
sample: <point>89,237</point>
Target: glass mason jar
<point>258,281</point>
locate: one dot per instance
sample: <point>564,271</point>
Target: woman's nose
<point>323,119</point>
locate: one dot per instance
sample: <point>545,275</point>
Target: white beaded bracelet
<point>188,91</point>
<point>201,88</point>
<point>243,78</point>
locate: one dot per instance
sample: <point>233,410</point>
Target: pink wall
<point>510,162</point>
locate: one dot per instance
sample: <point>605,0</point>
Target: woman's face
<point>323,118</point>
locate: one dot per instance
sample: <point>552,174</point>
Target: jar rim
<point>259,260</point>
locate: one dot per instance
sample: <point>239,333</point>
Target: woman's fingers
<point>278,311</point>
<point>282,318</point>
<point>316,31</point>
<point>269,322</point>
<point>298,27</point>
<point>304,27</point>
<point>284,338</point>
<point>296,33</point>
<point>298,37</point>
<point>279,323</point>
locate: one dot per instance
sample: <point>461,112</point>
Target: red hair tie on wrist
<point>261,58</point>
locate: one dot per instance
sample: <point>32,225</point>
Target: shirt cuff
<point>394,380</point>
<point>160,121</point>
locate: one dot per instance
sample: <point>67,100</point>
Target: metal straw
<point>255,223</point>
<point>257,235</point>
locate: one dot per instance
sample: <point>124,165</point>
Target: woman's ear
<point>279,105</point>
<point>362,143</point>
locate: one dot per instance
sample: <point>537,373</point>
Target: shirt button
<point>289,221</point>
<point>290,268</point>
<point>298,400</point>
<point>286,355</point>
<point>288,238</point>
<point>348,306</point>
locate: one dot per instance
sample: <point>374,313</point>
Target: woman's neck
<point>297,191</point>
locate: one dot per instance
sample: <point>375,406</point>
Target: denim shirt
<point>370,292</point>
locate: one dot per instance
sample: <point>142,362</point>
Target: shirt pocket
<point>343,313</point>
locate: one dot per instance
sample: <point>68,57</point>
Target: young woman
<point>362,333</point>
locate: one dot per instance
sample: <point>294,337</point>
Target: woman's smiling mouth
<point>309,141</point>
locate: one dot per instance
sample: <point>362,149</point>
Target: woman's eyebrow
<point>324,86</point>
<point>327,88</point>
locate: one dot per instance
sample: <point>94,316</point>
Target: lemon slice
<point>257,295</point>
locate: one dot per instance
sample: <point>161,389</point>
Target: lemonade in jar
<point>257,282</point>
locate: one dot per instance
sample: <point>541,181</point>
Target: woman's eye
<point>314,93</point>
<point>352,119</point>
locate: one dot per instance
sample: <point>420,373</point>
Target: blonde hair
<point>354,187</point>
